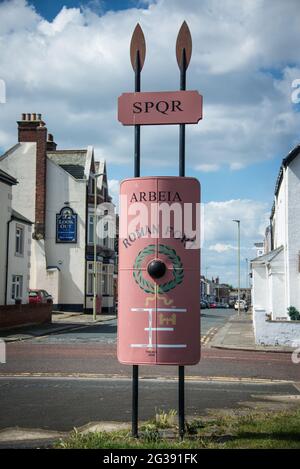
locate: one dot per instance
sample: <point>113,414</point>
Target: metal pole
<point>137,172</point>
<point>137,128</point>
<point>135,400</point>
<point>95,252</point>
<point>182,126</point>
<point>182,174</point>
<point>239,266</point>
<point>181,401</point>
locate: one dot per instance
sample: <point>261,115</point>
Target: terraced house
<point>55,192</point>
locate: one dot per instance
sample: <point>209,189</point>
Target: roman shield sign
<point>159,271</point>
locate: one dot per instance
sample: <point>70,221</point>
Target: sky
<point>69,60</point>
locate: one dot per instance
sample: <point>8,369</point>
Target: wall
<point>19,265</point>
<point>259,286</point>
<point>21,315</point>
<point>20,163</point>
<point>293,174</point>
<point>69,258</point>
<point>286,333</point>
<point>5,213</point>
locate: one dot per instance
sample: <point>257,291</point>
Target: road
<point>70,378</point>
<point>62,404</point>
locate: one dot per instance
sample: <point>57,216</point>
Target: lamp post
<point>239,262</point>
<point>96,176</point>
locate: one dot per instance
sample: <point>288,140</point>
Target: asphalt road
<point>62,404</point>
<point>92,350</point>
<point>106,332</point>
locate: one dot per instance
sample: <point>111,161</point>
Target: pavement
<point>60,322</point>
<point>238,334</point>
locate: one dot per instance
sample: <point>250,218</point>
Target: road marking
<point>158,345</point>
<point>95,376</point>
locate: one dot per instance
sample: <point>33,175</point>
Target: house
<point>18,258</point>
<point>6,183</point>
<point>276,273</point>
<point>15,237</point>
<point>55,192</point>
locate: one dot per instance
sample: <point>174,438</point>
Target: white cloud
<point>219,232</point>
<point>220,247</point>
<point>73,69</point>
<point>207,167</point>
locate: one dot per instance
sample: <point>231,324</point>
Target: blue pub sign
<point>66,226</point>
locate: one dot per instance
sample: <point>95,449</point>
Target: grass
<point>253,430</point>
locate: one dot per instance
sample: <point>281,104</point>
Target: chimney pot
<point>29,117</point>
<point>33,116</point>
<point>39,117</point>
<point>23,116</point>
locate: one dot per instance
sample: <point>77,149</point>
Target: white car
<point>243,305</point>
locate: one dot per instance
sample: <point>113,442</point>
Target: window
<point>91,229</point>
<point>90,279</point>
<point>16,287</point>
<point>107,279</point>
<point>19,240</point>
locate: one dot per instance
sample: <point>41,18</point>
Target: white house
<point>15,239</point>
<point>18,258</point>
<point>6,183</point>
<point>276,274</point>
<point>56,193</point>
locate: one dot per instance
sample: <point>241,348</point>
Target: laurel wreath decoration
<point>150,287</point>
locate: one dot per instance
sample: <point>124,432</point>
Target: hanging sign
<point>159,262</point>
<point>66,226</point>
<point>163,107</point>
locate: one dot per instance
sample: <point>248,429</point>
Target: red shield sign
<point>173,107</point>
<point>159,315</point>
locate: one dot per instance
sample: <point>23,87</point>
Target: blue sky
<point>49,9</point>
<point>69,60</point>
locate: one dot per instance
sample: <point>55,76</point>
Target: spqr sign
<point>159,261</point>
<point>66,226</point>
<point>173,107</point>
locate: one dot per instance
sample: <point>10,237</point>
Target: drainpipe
<point>271,235</point>
<point>7,259</point>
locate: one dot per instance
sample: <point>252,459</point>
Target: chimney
<point>31,128</point>
<point>51,145</point>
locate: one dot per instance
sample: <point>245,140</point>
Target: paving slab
<point>238,334</point>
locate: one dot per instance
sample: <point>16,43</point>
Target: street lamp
<point>239,262</point>
<point>247,273</point>
<point>95,176</point>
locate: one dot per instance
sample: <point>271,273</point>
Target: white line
<point>150,327</point>
<point>158,346</point>
<point>171,345</point>
<point>159,329</point>
<point>167,310</point>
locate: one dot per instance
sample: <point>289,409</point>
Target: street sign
<point>163,107</point>
<point>66,226</point>
<point>159,261</point>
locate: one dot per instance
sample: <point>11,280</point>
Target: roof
<point>100,168</point>
<point>17,216</point>
<point>285,162</point>
<point>72,161</point>
<point>7,178</point>
<point>266,258</point>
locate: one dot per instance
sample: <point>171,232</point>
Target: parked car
<point>39,296</point>
<point>212,304</point>
<point>223,305</point>
<point>203,304</point>
<point>243,305</point>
